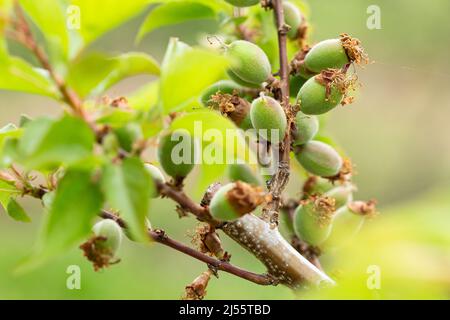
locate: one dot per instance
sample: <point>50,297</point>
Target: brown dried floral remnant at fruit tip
<point>366,209</point>
<point>231,105</point>
<point>197,289</point>
<point>245,198</point>
<point>354,50</point>
<point>96,252</point>
<point>345,174</point>
<point>337,78</point>
<point>323,207</point>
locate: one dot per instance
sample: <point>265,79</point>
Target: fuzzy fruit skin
<point>313,98</point>
<point>346,226</point>
<point>308,227</point>
<point>326,54</point>
<point>267,113</point>
<point>166,146</point>
<point>307,128</point>
<point>295,83</point>
<point>157,177</point>
<point>128,135</point>
<point>243,3</point>
<point>246,124</point>
<point>241,172</point>
<point>293,17</point>
<point>241,82</point>
<point>341,194</point>
<point>224,86</point>
<point>319,159</point>
<point>220,207</point>
<point>249,62</point>
<point>111,231</point>
<point>319,187</point>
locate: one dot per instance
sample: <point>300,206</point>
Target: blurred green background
<point>397,134</point>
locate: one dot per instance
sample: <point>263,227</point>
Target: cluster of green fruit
<point>242,98</point>
<point>328,216</point>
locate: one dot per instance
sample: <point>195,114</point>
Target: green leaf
<point>144,98</point>
<point>77,202</point>
<point>18,75</point>
<point>94,73</point>
<point>174,13</point>
<point>128,187</point>
<point>49,16</point>
<point>115,117</point>
<point>7,190</point>
<point>16,211</point>
<point>101,16</point>
<point>9,131</point>
<point>199,122</point>
<point>186,75</point>
<point>48,143</point>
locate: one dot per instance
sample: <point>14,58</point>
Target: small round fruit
<point>319,159</point>
<point>241,172</point>
<point>314,100</point>
<point>348,221</point>
<point>313,221</point>
<point>110,230</point>
<point>176,153</point>
<point>342,194</point>
<point>317,186</point>
<point>157,177</point>
<point>249,62</point>
<point>128,136</point>
<point>328,54</point>
<point>241,82</point>
<point>307,128</point>
<point>224,86</point>
<point>243,3</point>
<point>267,115</point>
<point>235,200</point>
<point>293,17</point>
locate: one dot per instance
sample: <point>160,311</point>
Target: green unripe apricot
<point>293,17</point>
<point>328,54</point>
<point>342,194</point>
<point>241,82</point>
<point>347,223</point>
<point>242,172</point>
<point>128,135</point>
<point>243,3</point>
<point>224,86</point>
<point>314,100</point>
<point>157,177</point>
<point>307,128</point>
<point>249,62</point>
<point>312,223</point>
<point>176,153</point>
<point>235,200</point>
<point>319,159</point>
<point>317,186</point>
<point>110,230</point>
<point>267,114</point>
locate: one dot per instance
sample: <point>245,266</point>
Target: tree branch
<point>281,178</point>
<point>186,203</point>
<point>161,237</point>
<point>25,37</point>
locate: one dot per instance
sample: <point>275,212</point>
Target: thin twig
<point>24,35</point>
<point>281,178</point>
<point>161,237</point>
